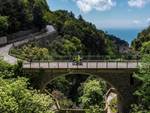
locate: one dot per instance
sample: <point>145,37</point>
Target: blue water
<point>126,34</point>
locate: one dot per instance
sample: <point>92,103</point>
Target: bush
<point>3,25</point>
<point>6,70</point>
<point>93,92</point>
<point>146,48</point>
<point>113,105</point>
<point>143,92</point>
<point>16,98</point>
<point>31,52</point>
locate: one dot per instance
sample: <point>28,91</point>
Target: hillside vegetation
<point>92,40</point>
<point>142,45</point>
<point>142,38</point>
<point>17,97</point>
<point>75,35</point>
<point>16,15</point>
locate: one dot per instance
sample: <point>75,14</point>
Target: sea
<point>125,34</point>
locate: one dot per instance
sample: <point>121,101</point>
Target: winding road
<point>4,54</point>
<point>4,51</point>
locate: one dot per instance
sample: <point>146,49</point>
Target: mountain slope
<point>142,37</point>
<point>74,34</point>
<point>22,14</point>
<point>93,41</point>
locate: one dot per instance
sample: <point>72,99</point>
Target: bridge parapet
<point>88,64</point>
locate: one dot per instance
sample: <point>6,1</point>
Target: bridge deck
<point>85,65</point>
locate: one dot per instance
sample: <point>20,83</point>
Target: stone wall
<point>20,35</point>
<point>3,40</point>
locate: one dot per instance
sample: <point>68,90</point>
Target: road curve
<point>4,51</point>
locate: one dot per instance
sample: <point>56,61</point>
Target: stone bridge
<point>118,74</point>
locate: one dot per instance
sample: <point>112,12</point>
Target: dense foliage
<point>3,24</point>
<point>16,97</point>
<point>76,91</point>
<point>65,46</point>
<point>143,37</point>
<point>92,40</point>
<point>19,15</point>
<point>67,87</point>
<point>75,35</point>
<point>143,92</point>
<point>31,52</point>
<point>93,96</point>
<point>93,92</point>
<point>146,48</point>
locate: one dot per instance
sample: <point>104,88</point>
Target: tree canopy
<point>143,92</point>
<point>17,97</point>
<point>142,37</point>
<point>22,14</point>
<point>3,25</point>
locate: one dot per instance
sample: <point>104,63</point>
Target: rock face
<point>3,40</point>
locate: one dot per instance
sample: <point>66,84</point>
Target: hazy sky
<point>108,13</point>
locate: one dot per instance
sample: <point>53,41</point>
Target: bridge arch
<point>117,75</point>
<point>120,81</point>
<point>49,80</point>
<point>119,96</point>
<point>76,73</point>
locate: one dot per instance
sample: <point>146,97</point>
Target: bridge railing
<point>85,64</point>
<point>98,57</point>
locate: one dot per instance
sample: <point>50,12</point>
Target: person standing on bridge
<point>77,59</point>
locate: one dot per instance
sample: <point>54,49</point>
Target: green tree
<point>142,37</point>
<point>145,48</point>
<point>32,51</point>
<point>16,98</point>
<point>38,14</point>
<point>143,92</point>
<point>80,18</point>
<point>66,46</point>
<point>23,14</point>
<point>61,84</point>
<point>6,70</point>
<point>3,25</point>
<point>93,92</point>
